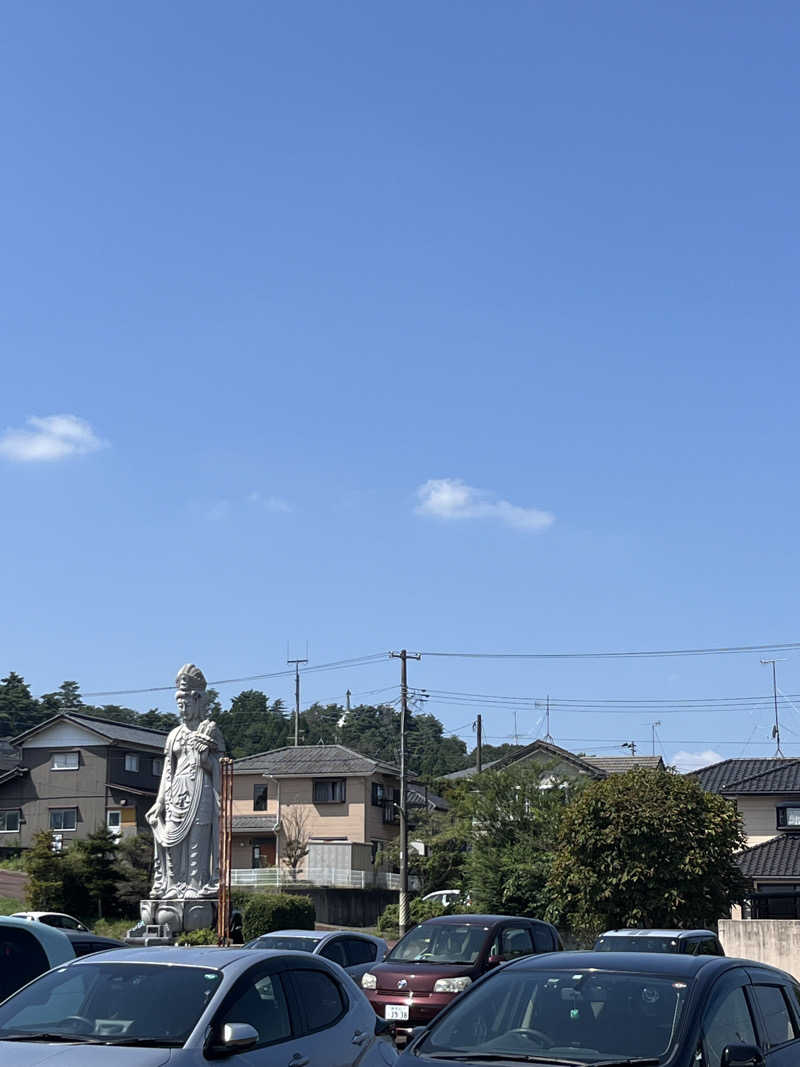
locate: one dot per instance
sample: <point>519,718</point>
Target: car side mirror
<point>494,960</point>
<point>742,1056</point>
<point>235,1037</point>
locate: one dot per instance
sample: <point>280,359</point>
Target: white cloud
<point>275,504</point>
<point>50,437</point>
<point>693,761</point>
<point>450,498</point>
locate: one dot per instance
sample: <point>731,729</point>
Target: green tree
<point>646,848</point>
<point>253,724</point>
<point>66,698</point>
<point>158,720</point>
<point>135,869</point>
<point>95,860</point>
<point>45,868</point>
<point>513,832</point>
<point>19,710</point>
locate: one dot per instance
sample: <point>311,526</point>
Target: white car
<point>186,1006</point>
<point>52,918</point>
<point>445,897</point>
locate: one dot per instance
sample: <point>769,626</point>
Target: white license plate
<point>396,1011</point>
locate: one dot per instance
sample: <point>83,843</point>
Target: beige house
<point>342,803</point>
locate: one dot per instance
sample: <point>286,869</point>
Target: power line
<point>656,653</point>
<point>342,664</point>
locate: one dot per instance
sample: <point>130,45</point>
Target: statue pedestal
<point>181,914</point>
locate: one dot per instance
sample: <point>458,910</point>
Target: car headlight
<point>451,985</point>
<point>369,981</point>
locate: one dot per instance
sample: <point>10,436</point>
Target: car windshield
<point>582,1016</point>
<point>286,944</point>
<point>113,1002</point>
<point>636,944</point>
<point>441,943</point>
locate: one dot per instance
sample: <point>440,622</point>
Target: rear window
<point>636,944</point>
<point>285,944</point>
<point>22,959</point>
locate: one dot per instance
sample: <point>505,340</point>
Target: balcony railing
<point>335,877</point>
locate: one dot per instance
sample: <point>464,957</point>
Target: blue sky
<point>453,326</point>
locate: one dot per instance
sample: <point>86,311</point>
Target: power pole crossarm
<point>404,657</point>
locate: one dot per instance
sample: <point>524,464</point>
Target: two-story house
<point>76,772</point>
<point>346,804</point>
<point>558,763</point>
<point>767,795</point>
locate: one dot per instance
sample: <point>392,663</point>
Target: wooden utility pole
<point>225,836</point>
<point>479,746</point>
<point>296,663</point>
<point>403,656</point>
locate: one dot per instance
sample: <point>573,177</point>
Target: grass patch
<point>8,905</point>
<point>112,927</point>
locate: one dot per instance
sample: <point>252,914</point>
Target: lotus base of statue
<point>180,914</point>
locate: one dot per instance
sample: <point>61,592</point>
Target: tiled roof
<point>777,858</point>
<point>420,797</point>
<point>735,776</point>
<point>306,760</point>
<point>254,822</point>
<point>109,728</point>
<point>9,756</point>
<point>620,764</point>
<point>15,772</point>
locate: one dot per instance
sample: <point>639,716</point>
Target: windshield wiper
<point>41,1035</point>
<point>634,1061</point>
<point>142,1042</point>
<point>513,1057</point>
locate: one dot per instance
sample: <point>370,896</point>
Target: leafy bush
<point>418,911</point>
<point>277,911</point>
<point>197,937</point>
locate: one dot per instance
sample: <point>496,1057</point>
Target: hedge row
<point>263,912</point>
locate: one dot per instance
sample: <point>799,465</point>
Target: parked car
<point>355,952</point>
<point>52,918</point>
<point>627,1008</point>
<point>445,897</point>
<point>441,957</point>
<point>28,949</point>
<point>693,942</point>
<point>84,944</point>
<point>272,1008</point>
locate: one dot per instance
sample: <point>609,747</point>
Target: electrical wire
<point>656,653</point>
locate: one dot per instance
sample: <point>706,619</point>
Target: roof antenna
<point>776,729</point>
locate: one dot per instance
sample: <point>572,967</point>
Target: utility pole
<point>631,745</point>
<point>296,663</point>
<point>403,656</point>
<point>548,736</point>
<point>653,726</point>
<point>348,694</point>
<point>776,729</point>
<point>516,737</point>
<point>479,747</point>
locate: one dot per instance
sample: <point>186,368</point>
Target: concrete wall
<point>772,941</point>
<point>346,907</point>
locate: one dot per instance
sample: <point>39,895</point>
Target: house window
<point>378,794</point>
<point>330,791</point>
<point>65,761</point>
<point>260,797</point>
<point>391,809</point>
<point>788,817</point>
<point>63,818</point>
<point>132,762</point>
<point>158,766</point>
<point>9,821</point>
<point>114,822</point>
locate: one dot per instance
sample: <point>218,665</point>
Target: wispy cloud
<point>451,498</point>
<point>275,504</point>
<point>49,437</point>
<point>693,761</point>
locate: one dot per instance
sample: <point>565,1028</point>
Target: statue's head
<point>190,695</point>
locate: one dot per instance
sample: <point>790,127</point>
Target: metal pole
<point>296,663</point>
<point>403,806</point>
<point>479,760</point>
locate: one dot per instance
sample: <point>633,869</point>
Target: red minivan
<point>439,958</point>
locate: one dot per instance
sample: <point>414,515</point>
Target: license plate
<point>396,1011</point>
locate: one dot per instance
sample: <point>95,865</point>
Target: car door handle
<point>299,1060</point>
<point>359,1037</point>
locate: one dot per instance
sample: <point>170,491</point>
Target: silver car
<point>150,1006</point>
<point>354,951</point>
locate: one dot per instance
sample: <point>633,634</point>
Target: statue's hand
<point>155,814</point>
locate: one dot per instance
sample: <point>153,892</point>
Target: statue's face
<point>191,703</point>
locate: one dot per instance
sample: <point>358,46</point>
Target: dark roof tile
<point>740,776</point>
<point>777,858</point>
<point>304,760</point>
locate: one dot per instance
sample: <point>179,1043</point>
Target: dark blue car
<point>624,1008</point>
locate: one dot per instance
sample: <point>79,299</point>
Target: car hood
<point>419,977</point>
<point>32,1053</point>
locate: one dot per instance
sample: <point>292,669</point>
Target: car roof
<point>676,965</point>
<point>39,914</point>
<point>678,934</point>
<point>480,920</point>
<point>83,937</point>
<point>57,944</point>
<point>316,934</point>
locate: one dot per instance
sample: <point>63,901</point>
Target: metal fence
<point>335,877</point>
